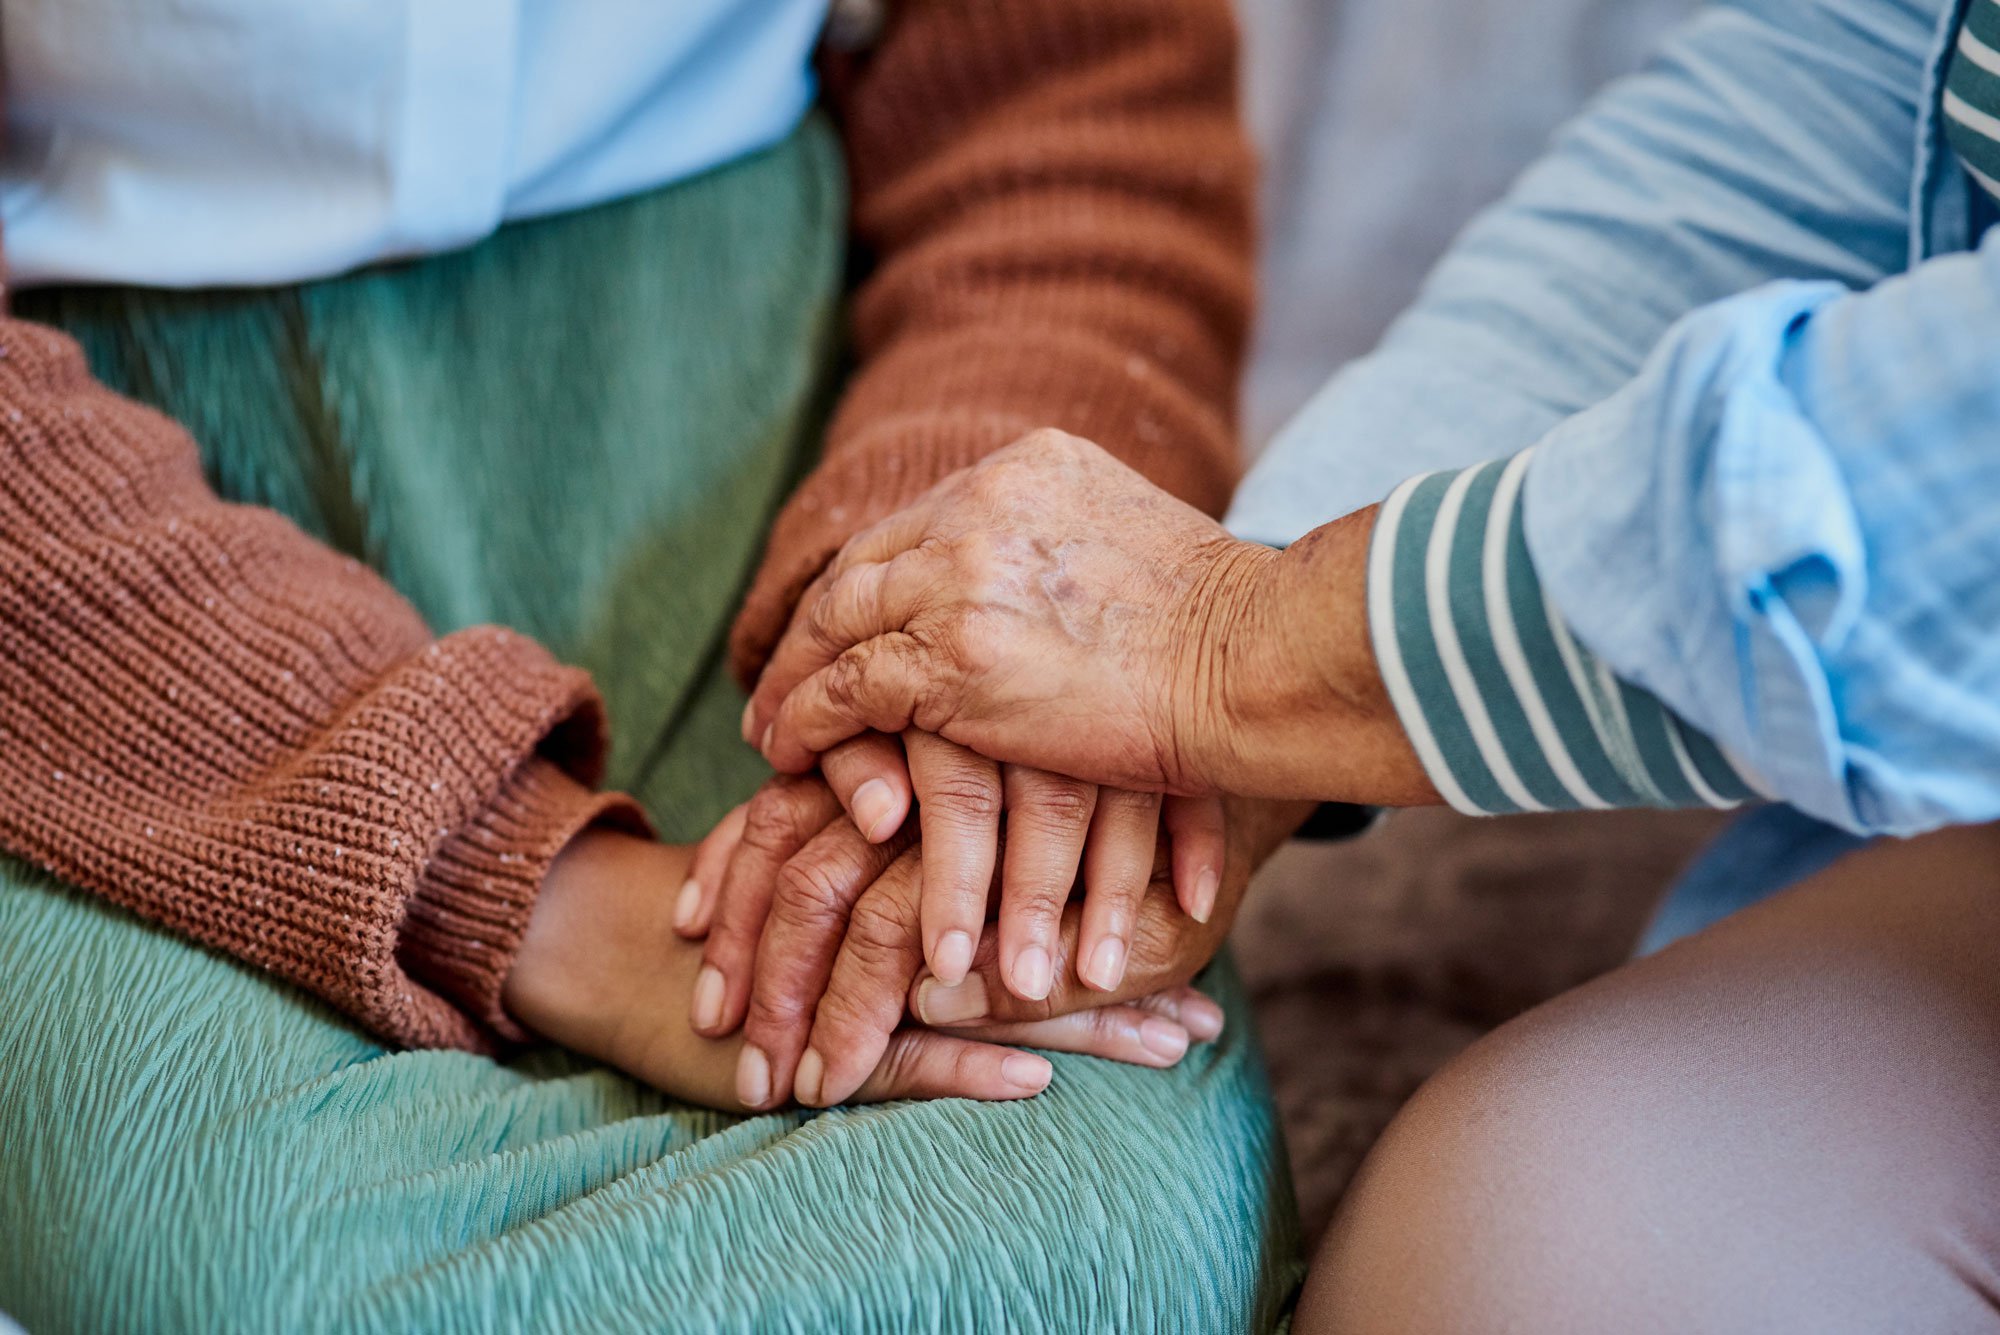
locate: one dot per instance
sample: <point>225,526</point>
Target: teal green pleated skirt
<point>579,428</point>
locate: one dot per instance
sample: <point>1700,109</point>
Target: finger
<point>883,683</point>
<point>863,1006</point>
<point>695,908</point>
<point>816,892</point>
<point>870,777</point>
<point>1168,948</point>
<point>1048,816</point>
<point>1135,1035</point>
<point>856,598</point>
<point>924,1064</point>
<point>1197,837</point>
<point>838,610</point>
<point>782,817</point>
<point>1117,865</point>
<point>959,798</point>
<point>1190,1008</point>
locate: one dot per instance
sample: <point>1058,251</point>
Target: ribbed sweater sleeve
<point>1053,212</point>
<point>209,718</point>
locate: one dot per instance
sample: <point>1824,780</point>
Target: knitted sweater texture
<point>215,721</point>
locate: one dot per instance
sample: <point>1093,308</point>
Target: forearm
<point>1053,202</point>
<point>1764,567</point>
<point>1296,707</point>
<point>1406,655</point>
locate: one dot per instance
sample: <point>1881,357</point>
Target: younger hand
<point>602,972</point>
<point>840,956</point>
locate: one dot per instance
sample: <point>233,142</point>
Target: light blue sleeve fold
<point>1787,527</point>
<point>1769,139</point>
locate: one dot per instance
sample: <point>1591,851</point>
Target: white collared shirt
<point>183,143</point>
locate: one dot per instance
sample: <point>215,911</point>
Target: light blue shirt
<point>180,143</point>
<point>1738,312</point>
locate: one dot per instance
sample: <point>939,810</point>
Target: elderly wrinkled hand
<point>1050,607</point>
<point>1046,606</point>
<point>813,945</point>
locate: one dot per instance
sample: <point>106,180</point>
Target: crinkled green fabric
<point>578,428</point>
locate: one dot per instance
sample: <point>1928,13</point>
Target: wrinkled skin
<point>838,950</point>
<point>1050,607</point>
<point>1057,830</point>
<point>602,971</point>
<point>1038,607</point>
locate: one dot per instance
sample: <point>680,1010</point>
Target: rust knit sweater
<point>209,718</point>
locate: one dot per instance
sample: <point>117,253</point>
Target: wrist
<point>1303,708</point>
<point>1216,667</point>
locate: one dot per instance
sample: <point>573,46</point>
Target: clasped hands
<point>1043,675</point>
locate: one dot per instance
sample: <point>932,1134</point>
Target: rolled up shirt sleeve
<point>1506,709</point>
<point>1771,559</point>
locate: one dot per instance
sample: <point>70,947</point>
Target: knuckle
<point>1047,440</point>
<point>1062,806</point>
<point>979,640</point>
<point>1039,910</point>
<point>779,815</point>
<point>878,934</point>
<point>846,677</point>
<point>964,1067</point>
<point>1125,799</point>
<point>841,1024</point>
<point>1106,1025</point>
<point>1160,951</point>
<point>967,795</point>
<point>774,1012</point>
<point>900,1061</point>
<point>819,618</point>
<point>808,891</point>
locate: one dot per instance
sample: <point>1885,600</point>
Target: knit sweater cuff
<point>464,924</point>
<point>245,737</point>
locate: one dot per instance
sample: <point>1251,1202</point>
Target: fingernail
<point>1163,1038</point>
<point>952,958</point>
<point>874,808</point>
<point>753,1077</point>
<point>1107,965</point>
<point>708,990</point>
<point>749,720</point>
<point>687,905</point>
<point>810,1077</point>
<point>1031,974</point>
<point>1202,1019</point>
<point>938,1003</point>
<point>1025,1072</point>
<point>765,745</point>
<point>1205,887</point>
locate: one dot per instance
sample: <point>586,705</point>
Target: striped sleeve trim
<point>1506,710</point>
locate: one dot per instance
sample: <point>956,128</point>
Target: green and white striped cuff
<point>1506,710</point>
